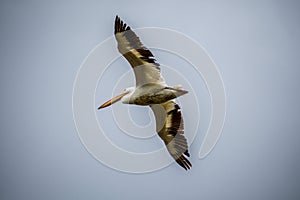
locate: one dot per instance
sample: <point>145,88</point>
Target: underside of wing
<point>141,59</point>
<point>169,126</point>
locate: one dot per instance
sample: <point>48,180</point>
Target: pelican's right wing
<point>145,67</point>
<point>169,126</point>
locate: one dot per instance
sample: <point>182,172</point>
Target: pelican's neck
<point>127,99</point>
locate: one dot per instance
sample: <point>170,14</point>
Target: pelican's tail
<point>179,91</point>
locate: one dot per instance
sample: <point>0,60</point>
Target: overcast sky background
<point>255,44</point>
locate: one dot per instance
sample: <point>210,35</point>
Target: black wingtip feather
<point>184,162</point>
<point>187,153</point>
<point>120,26</point>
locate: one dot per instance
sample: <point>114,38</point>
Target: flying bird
<point>152,90</point>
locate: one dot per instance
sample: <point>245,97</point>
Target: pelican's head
<point>124,97</point>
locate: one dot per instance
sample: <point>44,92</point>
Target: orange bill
<point>113,100</point>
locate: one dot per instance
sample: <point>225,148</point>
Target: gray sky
<point>255,44</point>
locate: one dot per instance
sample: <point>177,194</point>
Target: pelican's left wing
<point>145,67</point>
<point>169,126</point>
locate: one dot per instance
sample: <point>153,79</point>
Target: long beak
<point>113,100</point>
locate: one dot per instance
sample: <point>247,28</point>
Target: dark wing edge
<point>130,46</point>
<point>169,126</point>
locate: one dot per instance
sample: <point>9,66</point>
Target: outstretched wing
<point>169,126</point>
<point>145,67</point>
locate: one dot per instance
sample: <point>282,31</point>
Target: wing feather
<point>145,67</point>
<point>169,126</point>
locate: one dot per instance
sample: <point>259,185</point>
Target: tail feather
<point>178,90</point>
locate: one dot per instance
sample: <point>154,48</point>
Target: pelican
<point>152,90</point>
